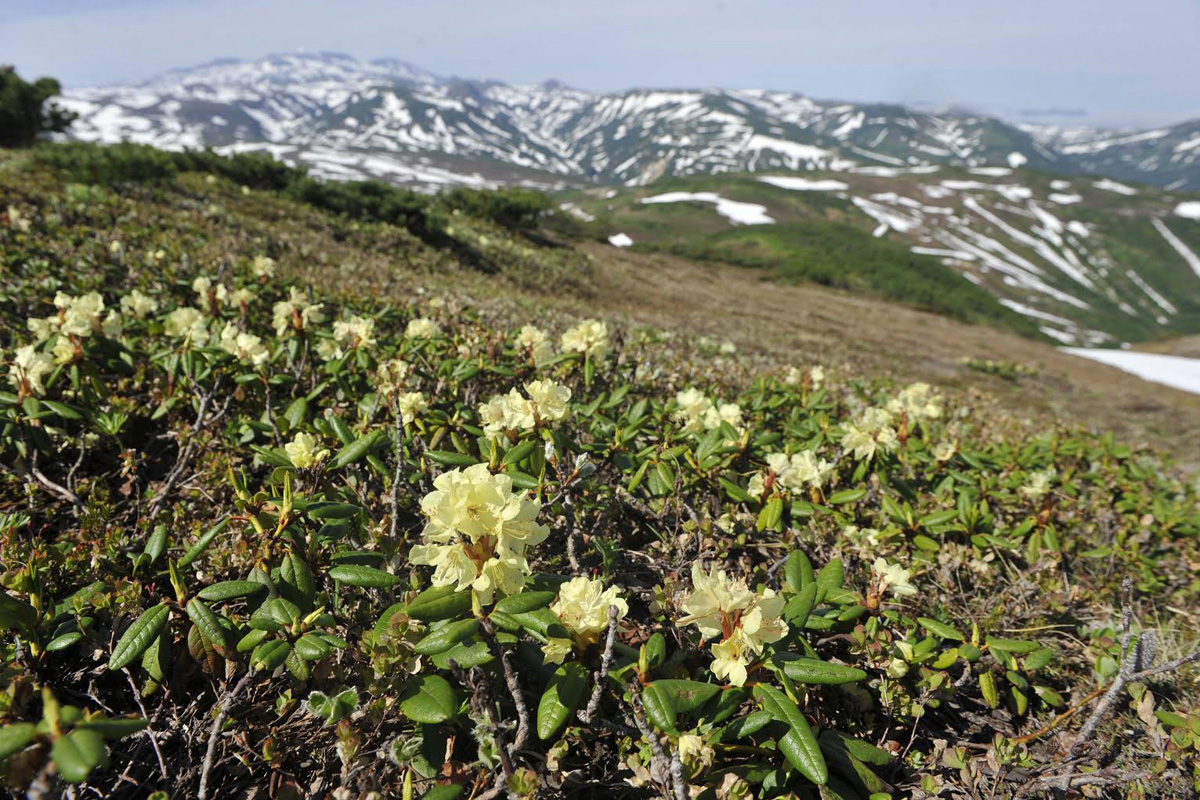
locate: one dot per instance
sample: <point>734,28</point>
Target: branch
<point>513,683</point>
<point>215,732</point>
<point>601,674</point>
<point>669,769</point>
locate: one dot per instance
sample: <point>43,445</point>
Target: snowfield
<point>807,184</point>
<point>1174,371</point>
<point>736,212</point>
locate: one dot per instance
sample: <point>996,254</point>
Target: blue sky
<point>1122,63</point>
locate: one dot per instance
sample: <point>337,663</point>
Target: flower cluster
<point>744,620</point>
<point>870,433</point>
<point>421,328</point>
<point>245,347</point>
<point>546,402</point>
<point>791,473</point>
<point>1038,485</point>
<point>815,377</point>
<point>698,413</point>
<point>80,316</point>
<point>583,607</point>
<point>589,337</point>
<point>29,369</point>
<point>893,578</point>
<point>536,343</point>
<point>296,313</point>
<point>916,402</point>
<point>348,334</point>
<point>189,324</point>
<point>304,452</point>
<point>478,532</point>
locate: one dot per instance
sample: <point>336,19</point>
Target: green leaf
<point>439,602</point>
<point>797,570</point>
<point>829,579</point>
<point>15,614</point>
<point>800,606</point>
<point>686,696</point>
<point>940,629</point>
<point>356,449</point>
<point>138,636</point>
<point>156,545</point>
<point>846,496</point>
<point>368,577</point>
<point>446,637</point>
<point>771,516</point>
<point>209,624</point>
<point>800,748</point>
<point>1039,658</point>
<point>78,753</point>
<point>429,700</point>
<point>562,696</point>
<point>450,458</point>
<point>16,737</point>
<point>660,708</point>
<point>816,672</point>
<point>230,590</point>
<point>114,727</point>
<point>1017,646</point>
<point>270,654</point>
<point>524,602</point>
<point>298,585</point>
<point>202,544</point>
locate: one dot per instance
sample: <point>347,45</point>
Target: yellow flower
<point>411,404</point>
<point>744,620</point>
<point>244,346</point>
<point>549,399</point>
<point>944,451</point>
<point>302,451</point>
<point>893,578</point>
<point>64,351</point>
<point>29,368</point>
<point>1038,485</point>
<point>80,316</point>
<point>263,267</point>
<point>139,305</point>
<point>392,375</point>
<point>355,332</point>
<point>209,293</point>
<point>296,313</point>
<point>793,473</point>
<point>589,337</point>
<point>189,324</point>
<point>421,328</point>
<point>917,401</point>
<point>478,531</point>
<point>692,409</point>
<point>241,297</point>
<point>870,433</point>
<point>537,343</point>
<point>695,752</point>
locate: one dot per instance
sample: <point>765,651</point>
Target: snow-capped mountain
<point>346,118</point>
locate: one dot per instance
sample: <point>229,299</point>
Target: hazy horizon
<point>1073,62</point>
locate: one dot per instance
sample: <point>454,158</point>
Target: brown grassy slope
<point>808,324</point>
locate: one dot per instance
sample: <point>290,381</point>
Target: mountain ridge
<point>388,119</point>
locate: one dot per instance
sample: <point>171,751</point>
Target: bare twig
<point>1136,660</point>
<point>137,698</point>
<point>601,674</point>
<point>668,768</point>
<point>215,732</point>
<point>513,683</point>
<point>36,474</point>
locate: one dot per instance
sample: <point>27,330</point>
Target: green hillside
<point>318,490</point>
<point>1078,263</point>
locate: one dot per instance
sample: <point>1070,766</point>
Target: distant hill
<point>1084,261</point>
<point>387,119</point>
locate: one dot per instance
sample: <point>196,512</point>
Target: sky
<point>1095,62</point>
